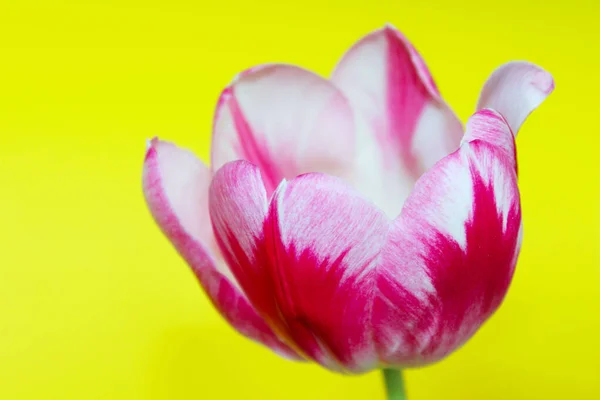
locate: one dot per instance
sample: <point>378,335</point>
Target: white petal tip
<point>235,79</point>
<point>515,90</point>
<point>151,142</point>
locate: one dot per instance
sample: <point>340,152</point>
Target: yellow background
<point>94,302</point>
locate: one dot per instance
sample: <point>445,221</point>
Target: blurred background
<point>95,303</point>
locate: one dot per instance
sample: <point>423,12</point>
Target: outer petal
<point>175,186</point>
<point>451,253</point>
<point>285,120</point>
<point>514,90</point>
<point>326,239</point>
<point>310,271</point>
<point>238,208</point>
<point>406,126</point>
<point>491,127</point>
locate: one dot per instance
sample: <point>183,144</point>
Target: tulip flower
<point>353,221</point>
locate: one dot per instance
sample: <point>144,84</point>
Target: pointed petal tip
<point>390,32</point>
<point>151,147</point>
<point>152,142</point>
<point>386,29</point>
<point>388,26</point>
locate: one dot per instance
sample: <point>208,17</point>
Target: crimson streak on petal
<point>450,257</point>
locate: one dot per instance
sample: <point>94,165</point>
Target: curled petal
<point>514,90</point>
<point>285,120</point>
<point>175,186</point>
<point>406,126</point>
<point>451,253</point>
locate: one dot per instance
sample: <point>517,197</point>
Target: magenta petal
<point>238,209</point>
<point>175,186</point>
<point>325,239</point>
<point>308,267</point>
<point>450,255</point>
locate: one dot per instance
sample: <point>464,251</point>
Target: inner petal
<point>287,121</point>
<point>405,126</point>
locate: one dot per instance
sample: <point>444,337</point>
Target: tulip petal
<point>326,239</point>
<point>238,207</point>
<point>489,126</point>
<point>407,125</point>
<point>452,251</point>
<point>176,186</point>
<point>285,120</point>
<point>514,90</point>
<point>308,267</point>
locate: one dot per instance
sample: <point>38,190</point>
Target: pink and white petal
<point>489,126</point>
<point>450,255</point>
<point>514,90</point>
<point>238,207</point>
<point>175,185</point>
<point>287,121</point>
<point>324,239</point>
<point>405,127</point>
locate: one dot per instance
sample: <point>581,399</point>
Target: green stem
<point>394,384</point>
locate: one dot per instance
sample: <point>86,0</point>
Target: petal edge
<point>175,187</point>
